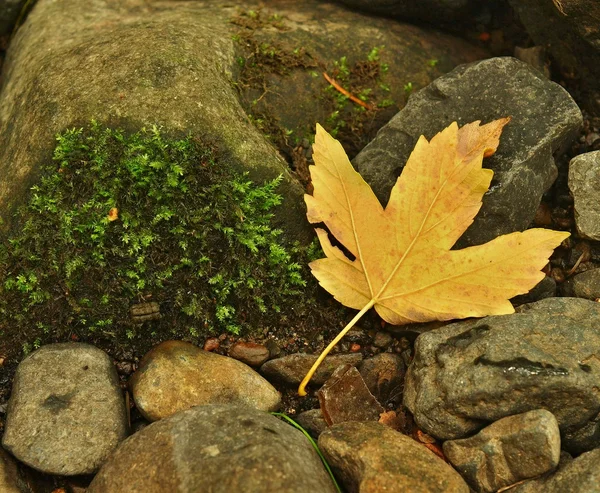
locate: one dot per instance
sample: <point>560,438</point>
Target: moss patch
<point>119,219</point>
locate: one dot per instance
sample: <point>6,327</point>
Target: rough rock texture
<point>66,413</point>
<point>384,375</point>
<point>372,458</point>
<point>467,374</point>
<point>584,285</point>
<point>544,119</point>
<point>514,448</point>
<point>218,449</point>
<point>580,475</point>
<point>584,183</point>
<point>571,31</point>
<point>345,397</point>
<point>582,439</point>
<point>176,375</point>
<point>292,368</point>
<point>128,65</point>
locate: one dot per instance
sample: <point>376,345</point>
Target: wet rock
<point>580,475</point>
<point>345,397</point>
<point>217,448</point>
<point>584,182</point>
<point>292,368</point>
<point>312,421</point>
<point>384,375</point>
<point>545,119</point>
<point>584,285</point>
<point>371,458</point>
<point>176,375</point>
<point>211,344</point>
<point>514,448</point>
<point>468,374</point>
<point>10,480</point>
<point>66,413</point>
<point>251,353</point>
<point>571,31</point>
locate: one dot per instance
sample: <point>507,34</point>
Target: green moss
<point>120,219</point>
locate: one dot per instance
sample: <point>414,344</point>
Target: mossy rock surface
<point>165,63</point>
<point>121,222</point>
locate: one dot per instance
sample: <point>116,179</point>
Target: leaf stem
<point>311,372</point>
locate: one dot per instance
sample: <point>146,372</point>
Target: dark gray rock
<point>580,475</point>
<point>66,413</point>
<point>468,374</point>
<point>514,448</point>
<point>216,448</point>
<point>584,183</point>
<point>384,375</point>
<point>312,421</point>
<point>176,375</point>
<point>544,120</point>
<point>571,31</point>
<point>371,458</point>
<point>584,285</point>
<point>293,368</point>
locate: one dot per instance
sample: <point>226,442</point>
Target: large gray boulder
<point>66,413</point>
<point>130,67</point>
<point>544,120</point>
<point>216,448</point>
<point>468,374</point>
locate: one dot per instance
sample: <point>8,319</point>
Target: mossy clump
<point>120,219</point>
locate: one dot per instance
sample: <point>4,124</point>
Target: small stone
<point>384,376</point>
<point>215,448</point>
<point>66,413</point>
<point>273,347</point>
<point>211,344</point>
<point>292,368</point>
<point>382,339</point>
<point>584,285</point>
<point>251,353</point>
<point>580,475</point>
<point>371,458</point>
<point>345,397</point>
<point>354,347</point>
<point>312,421</point>
<point>584,183</point>
<point>176,375</point>
<point>510,450</point>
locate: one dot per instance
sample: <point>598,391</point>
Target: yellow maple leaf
<point>403,265</point>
